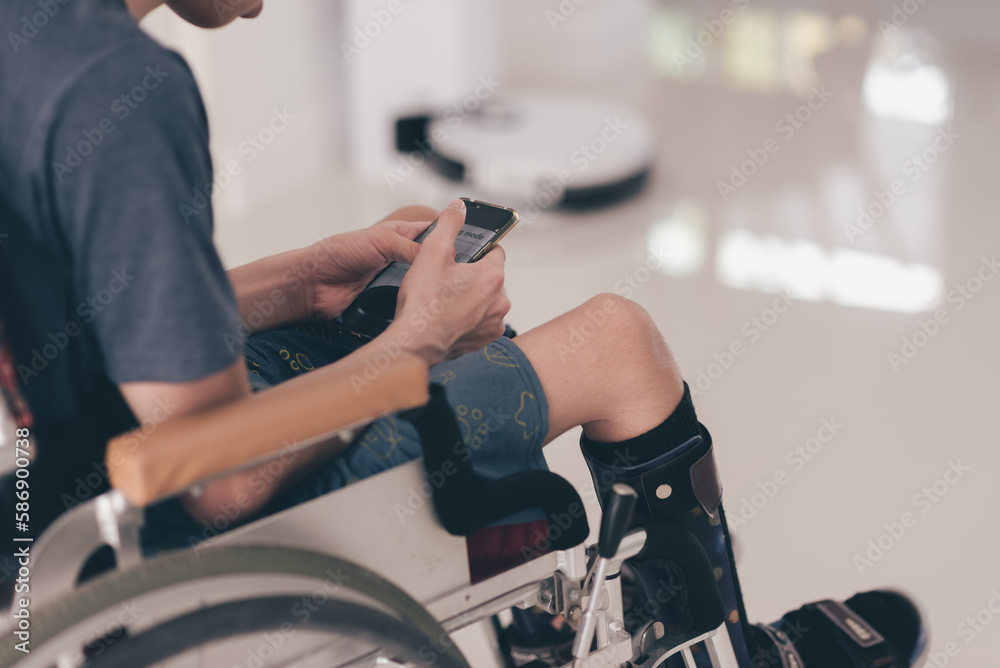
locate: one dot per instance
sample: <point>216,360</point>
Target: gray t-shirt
<point>108,273</point>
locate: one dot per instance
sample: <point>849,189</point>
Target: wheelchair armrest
<point>302,411</point>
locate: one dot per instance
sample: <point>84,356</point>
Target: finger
<point>254,12</point>
<point>504,306</point>
<point>441,240</point>
<point>495,258</point>
<point>410,229</point>
<point>400,249</point>
<point>498,330</point>
<point>498,254</point>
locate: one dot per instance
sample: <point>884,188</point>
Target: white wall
<point>285,60</point>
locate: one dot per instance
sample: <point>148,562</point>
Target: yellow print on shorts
<point>517,416</point>
<point>299,363</point>
<point>500,357</point>
<point>382,438</point>
<point>443,377</point>
<point>473,423</point>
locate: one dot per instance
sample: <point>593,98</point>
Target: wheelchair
<point>369,575</point>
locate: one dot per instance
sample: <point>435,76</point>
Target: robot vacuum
<point>544,148</point>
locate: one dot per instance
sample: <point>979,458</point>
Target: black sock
<point>679,427</point>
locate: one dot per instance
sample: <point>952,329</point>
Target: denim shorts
<point>494,392</point>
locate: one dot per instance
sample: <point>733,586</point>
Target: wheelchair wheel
<point>248,606</point>
<point>395,640</point>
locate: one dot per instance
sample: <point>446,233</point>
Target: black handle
<point>618,507</point>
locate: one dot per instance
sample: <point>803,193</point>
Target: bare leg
<point>604,365</point>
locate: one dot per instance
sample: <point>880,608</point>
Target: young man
<point>118,313</point>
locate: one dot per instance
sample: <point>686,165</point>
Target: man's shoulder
<point>81,67</point>
<point>91,49</point>
<point>51,41</point>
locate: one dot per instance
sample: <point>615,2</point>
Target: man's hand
<point>319,281</point>
<point>346,263</point>
<point>446,309</point>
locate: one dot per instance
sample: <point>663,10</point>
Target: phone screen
<point>484,225</point>
<point>470,240</point>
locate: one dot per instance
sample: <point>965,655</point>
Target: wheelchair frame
<point>409,549</point>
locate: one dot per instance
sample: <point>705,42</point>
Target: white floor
<point>826,360</point>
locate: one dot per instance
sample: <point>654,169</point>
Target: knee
<point>621,317</point>
<point>629,329</point>
<point>630,343</point>
<point>413,213</point>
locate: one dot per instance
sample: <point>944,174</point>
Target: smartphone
<point>485,225</point>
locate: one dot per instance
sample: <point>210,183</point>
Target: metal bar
<point>502,586</point>
<point>581,644</point>
<point>119,523</point>
<point>661,649</point>
<point>603,638</point>
<point>63,550</point>
<point>527,593</point>
<point>720,649</point>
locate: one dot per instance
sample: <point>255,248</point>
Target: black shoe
<point>874,629</point>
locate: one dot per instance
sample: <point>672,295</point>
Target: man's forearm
<point>251,490</point>
<point>399,338</point>
<point>272,291</point>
